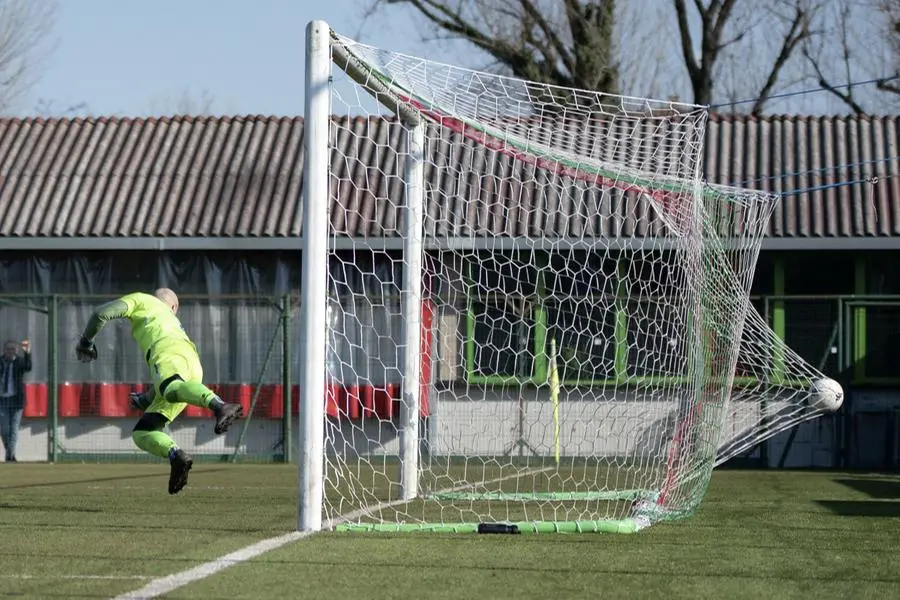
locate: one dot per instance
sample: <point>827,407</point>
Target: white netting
<point>565,232</point>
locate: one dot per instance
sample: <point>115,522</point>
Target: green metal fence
<point>247,346</point>
<point>80,412</point>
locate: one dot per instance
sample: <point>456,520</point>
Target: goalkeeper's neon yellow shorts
<point>176,358</point>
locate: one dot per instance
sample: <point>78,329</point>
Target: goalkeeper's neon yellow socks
<point>156,443</point>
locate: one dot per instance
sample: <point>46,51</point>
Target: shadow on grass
<point>39,507</point>
<point>873,488</point>
<point>861,508</point>
<point>162,473</point>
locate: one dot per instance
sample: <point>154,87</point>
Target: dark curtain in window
<point>229,306</point>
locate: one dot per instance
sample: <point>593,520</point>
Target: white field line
<point>169,583</point>
<point>75,577</point>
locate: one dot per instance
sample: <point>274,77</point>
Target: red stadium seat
<point>270,402</point>
<point>295,399</point>
<point>384,401</point>
<point>114,401</point>
<point>196,412</point>
<point>89,400</point>
<point>350,403</point>
<point>332,398</point>
<point>239,393</point>
<point>70,399</point>
<point>35,400</point>
<point>427,334</point>
<point>368,402</point>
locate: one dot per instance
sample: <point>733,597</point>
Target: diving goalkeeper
<point>175,369</point>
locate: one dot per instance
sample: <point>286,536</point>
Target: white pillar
<point>411,298</point>
<point>313,299</point>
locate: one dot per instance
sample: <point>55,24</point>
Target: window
<point>810,323</point>
<point>606,326</point>
<point>581,310</point>
<point>810,329</point>
<point>657,335</point>
<point>501,339</point>
<point>764,275</point>
<point>882,274</point>
<point>881,341</point>
<point>585,339</point>
<point>819,273</point>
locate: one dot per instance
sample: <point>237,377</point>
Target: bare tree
<point>49,108</point>
<point>563,42</point>
<point>24,29</point>
<point>727,23</point>
<point>890,11</point>
<point>835,49</point>
<point>607,46</point>
<point>745,55</point>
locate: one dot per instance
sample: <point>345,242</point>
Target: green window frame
<point>861,313</point>
<point>538,373</point>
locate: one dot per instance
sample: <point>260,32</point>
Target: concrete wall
<point>464,421</point>
<point>477,422</point>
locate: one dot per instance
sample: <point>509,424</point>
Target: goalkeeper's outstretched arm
<point>117,309</point>
<point>85,350</point>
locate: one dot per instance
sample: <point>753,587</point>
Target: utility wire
<point>852,84</point>
<point>856,165</point>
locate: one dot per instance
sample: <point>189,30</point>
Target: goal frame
<point>320,56</point>
<point>325,52</point>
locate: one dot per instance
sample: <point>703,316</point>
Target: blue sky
<point>136,57</point>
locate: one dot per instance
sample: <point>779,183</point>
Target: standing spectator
<point>12,393</point>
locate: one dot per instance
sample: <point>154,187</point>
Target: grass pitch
<point>95,531</point>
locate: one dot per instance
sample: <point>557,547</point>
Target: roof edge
<point>65,243</point>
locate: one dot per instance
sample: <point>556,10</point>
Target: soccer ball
<point>826,394</point>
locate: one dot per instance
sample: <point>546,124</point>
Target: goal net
<point>524,309</point>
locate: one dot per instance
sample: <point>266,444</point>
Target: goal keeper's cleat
<point>226,415</point>
<point>181,463</point>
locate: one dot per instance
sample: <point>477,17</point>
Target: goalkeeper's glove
<point>139,400</point>
<point>86,351</point>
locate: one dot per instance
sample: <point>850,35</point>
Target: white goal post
<point>522,309</point>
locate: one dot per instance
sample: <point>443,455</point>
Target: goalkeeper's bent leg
<point>191,392</point>
<point>156,443</point>
<point>148,435</point>
<point>177,390</point>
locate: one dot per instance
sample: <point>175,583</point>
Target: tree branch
<point>846,55</point>
<point>886,86</point>
<point>797,32</point>
<point>556,42</point>
<point>450,21</point>
<point>24,28</point>
<point>724,14</point>
<point>521,36</point>
<point>822,80</point>
<point>687,43</point>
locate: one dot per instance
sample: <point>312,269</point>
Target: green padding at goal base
<point>605,526</point>
<point>527,496</point>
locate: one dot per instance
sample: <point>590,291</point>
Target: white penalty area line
<point>164,585</point>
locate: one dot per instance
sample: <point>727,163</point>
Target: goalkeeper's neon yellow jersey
<point>152,322</point>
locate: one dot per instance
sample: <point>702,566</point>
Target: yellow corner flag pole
<point>554,396</point>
